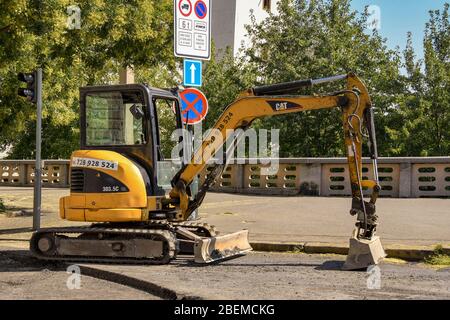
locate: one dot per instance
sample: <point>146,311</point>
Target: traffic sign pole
<point>192,39</point>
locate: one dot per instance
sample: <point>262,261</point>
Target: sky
<point>400,16</point>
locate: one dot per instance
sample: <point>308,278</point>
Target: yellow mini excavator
<point>139,205</point>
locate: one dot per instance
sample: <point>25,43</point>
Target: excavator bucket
<point>363,253</point>
<point>207,250</point>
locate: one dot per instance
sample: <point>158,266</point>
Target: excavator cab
<point>135,121</point>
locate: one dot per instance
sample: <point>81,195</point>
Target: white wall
<point>222,23</point>
<point>243,9</point>
<point>229,18</point>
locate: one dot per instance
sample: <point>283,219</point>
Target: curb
<point>409,253</point>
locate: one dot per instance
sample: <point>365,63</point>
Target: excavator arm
<point>357,120</point>
<point>272,100</point>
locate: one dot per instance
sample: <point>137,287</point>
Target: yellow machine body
<point>131,205</point>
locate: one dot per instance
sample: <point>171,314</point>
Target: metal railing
<point>399,177</point>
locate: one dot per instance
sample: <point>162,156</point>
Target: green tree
<point>224,78</point>
<point>113,34</point>
<point>425,106</point>
<point>318,38</point>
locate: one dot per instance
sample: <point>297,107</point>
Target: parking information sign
<point>192,20</point>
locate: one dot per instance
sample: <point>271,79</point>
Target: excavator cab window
<point>115,118</point>
<point>166,115</point>
<point>168,121</point>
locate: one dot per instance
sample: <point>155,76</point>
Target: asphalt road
<point>254,276</point>
<point>23,278</point>
<point>292,276</point>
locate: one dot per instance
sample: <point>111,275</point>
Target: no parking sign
<point>194,106</point>
<point>201,9</point>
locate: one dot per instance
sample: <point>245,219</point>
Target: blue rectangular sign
<point>192,74</point>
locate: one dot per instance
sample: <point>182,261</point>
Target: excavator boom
<point>272,100</point>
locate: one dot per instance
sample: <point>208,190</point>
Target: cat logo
<point>281,106</point>
<point>278,105</point>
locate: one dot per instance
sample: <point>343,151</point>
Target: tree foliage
<point>224,77</point>
<point>113,34</point>
<point>320,38</point>
<point>425,104</point>
<point>307,39</point>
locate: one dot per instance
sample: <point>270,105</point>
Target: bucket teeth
<point>207,250</point>
<point>363,253</point>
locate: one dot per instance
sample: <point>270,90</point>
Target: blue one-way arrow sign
<point>192,73</point>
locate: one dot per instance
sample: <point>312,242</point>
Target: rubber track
<point>168,236</point>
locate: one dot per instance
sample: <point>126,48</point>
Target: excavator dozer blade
<point>207,250</point>
<point>363,253</point>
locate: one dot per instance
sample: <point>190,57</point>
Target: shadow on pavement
<point>331,265</point>
<point>186,261</point>
<point>16,230</point>
<point>336,266</point>
<point>21,261</point>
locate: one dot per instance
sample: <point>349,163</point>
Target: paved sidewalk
<point>420,222</point>
<point>409,222</point>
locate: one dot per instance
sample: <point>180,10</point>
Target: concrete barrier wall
<point>399,177</point>
<point>20,173</point>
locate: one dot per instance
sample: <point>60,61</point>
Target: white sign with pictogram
<point>192,21</point>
